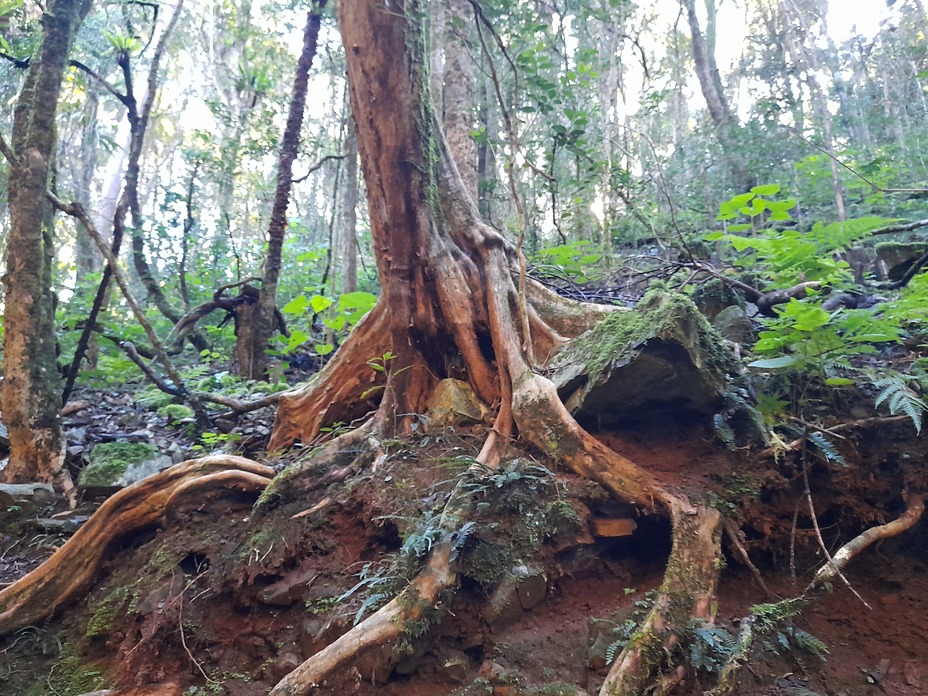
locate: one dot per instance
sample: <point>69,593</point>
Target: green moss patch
<point>109,461</point>
<point>663,356</point>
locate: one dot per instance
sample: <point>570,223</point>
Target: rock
<point>532,586</point>
<point>491,671</point>
<point>4,437</point>
<point>115,465</point>
<point>503,608</point>
<point>735,325</point>
<point>66,525</point>
<point>454,403</point>
<point>453,667</point>
<point>23,499</point>
<point>895,258</point>
<point>661,358</point>
<point>286,663</point>
<point>524,587</point>
<point>288,589</point>
<point>612,527</point>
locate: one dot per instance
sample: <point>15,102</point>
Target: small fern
<point>822,444</point>
<point>826,447</point>
<point>900,398</point>
<point>614,648</point>
<point>460,538</point>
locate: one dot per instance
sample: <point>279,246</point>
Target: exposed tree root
<point>73,566</point>
<point>753,625</point>
<point>337,394</point>
<point>382,628</point>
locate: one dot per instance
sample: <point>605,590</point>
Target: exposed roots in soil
<point>755,625</point>
<point>72,568</point>
<point>530,402</point>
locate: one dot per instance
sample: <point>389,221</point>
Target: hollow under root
<point>72,568</point>
<point>686,593</point>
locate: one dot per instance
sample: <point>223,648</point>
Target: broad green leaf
<point>324,348</point>
<point>296,306</point>
<point>775,363</point>
<point>320,303</point>
<point>297,338</point>
<point>839,382</point>
<point>740,227</point>
<point>714,236</point>
<point>357,300</point>
<point>766,190</point>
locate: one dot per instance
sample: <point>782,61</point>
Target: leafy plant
<point>710,646</point>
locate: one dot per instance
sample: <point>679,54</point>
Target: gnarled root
<point>687,593</point>
<point>751,626</point>
<point>381,628</point>
<point>691,578</point>
<point>338,392</point>
<point>73,566</point>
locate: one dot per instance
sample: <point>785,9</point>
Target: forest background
<point>765,155</point>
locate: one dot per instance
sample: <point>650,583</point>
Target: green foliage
<point>339,315</point>
<point>896,391</point>
<point>710,646</point>
<point>781,257</point>
<point>576,261</point>
<point>804,336</point>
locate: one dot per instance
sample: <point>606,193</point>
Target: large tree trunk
<point>253,338</point>
<point>30,397</point>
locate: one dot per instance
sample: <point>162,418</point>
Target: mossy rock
<point>661,357</point>
<point>898,257</point>
<point>120,464</point>
<point>175,413</point>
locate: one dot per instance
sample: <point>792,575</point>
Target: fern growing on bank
<point>900,398</point>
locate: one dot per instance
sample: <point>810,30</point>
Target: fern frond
<point>900,399</point>
<point>826,447</point>
<point>613,648</point>
<point>375,601</point>
<point>460,538</point>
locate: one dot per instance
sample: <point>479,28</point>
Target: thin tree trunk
<point>807,57</point>
<point>30,397</point>
<point>251,345</point>
<point>459,93</point>
<point>348,240</point>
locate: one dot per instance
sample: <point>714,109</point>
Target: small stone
<point>611,527</point>
<point>503,608</point>
<point>454,667</point>
<point>532,586</point>
<point>735,325</point>
<point>454,403</point>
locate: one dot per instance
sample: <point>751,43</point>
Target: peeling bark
<point>467,326</point>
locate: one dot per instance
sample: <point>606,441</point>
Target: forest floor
<point>227,598</point>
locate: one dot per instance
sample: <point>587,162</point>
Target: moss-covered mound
<point>111,462</point>
<point>662,356</point>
